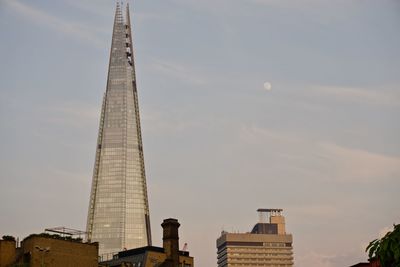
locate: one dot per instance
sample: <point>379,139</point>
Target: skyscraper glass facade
<point>118,216</point>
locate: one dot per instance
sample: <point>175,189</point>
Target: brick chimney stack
<point>171,241</point>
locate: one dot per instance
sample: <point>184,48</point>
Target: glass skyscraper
<point>118,216</point>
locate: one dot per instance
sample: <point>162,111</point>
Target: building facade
<point>167,256</point>
<point>7,252</point>
<point>267,244</point>
<point>118,215</point>
<point>39,250</point>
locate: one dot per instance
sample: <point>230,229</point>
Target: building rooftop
<point>270,210</point>
<point>136,251</point>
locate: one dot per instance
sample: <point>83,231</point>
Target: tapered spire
<point>118,216</point>
<point>130,42</point>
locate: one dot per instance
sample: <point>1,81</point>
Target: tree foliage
<point>386,249</point>
<point>8,238</point>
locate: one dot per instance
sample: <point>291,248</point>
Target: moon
<point>267,86</point>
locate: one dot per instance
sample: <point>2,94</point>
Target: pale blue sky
<point>323,144</point>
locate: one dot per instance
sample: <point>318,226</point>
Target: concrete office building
<point>267,244</point>
<point>118,215</point>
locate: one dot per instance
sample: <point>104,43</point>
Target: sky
<point>322,143</point>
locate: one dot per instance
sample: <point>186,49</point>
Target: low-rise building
<point>39,250</point>
<point>7,252</point>
<point>167,256</point>
<point>372,263</point>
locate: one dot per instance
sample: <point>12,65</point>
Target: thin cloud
<point>316,210</point>
<point>345,164</point>
<point>151,16</point>
<point>287,3</point>
<point>54,23</point>
<point>179,71</point>
<point>98,8</point>
<point>167,122</point>
<point>359,165</point>
<point>72,114</point>
<point>363,95</point>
